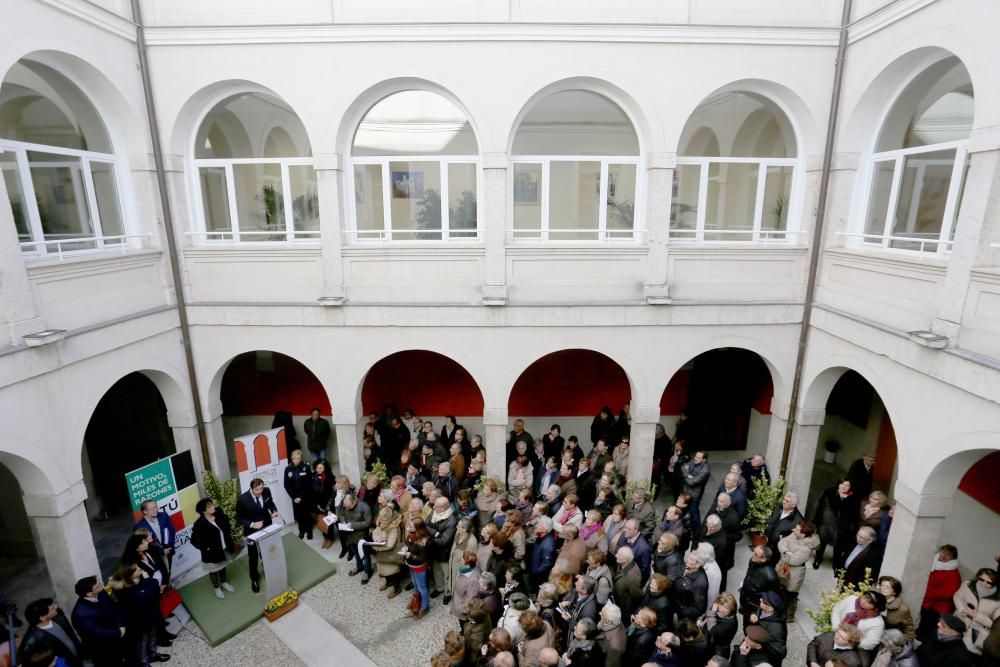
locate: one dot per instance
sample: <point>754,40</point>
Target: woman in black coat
<point>211,536</point>
<point>834,514</point>
<point>656,598</point>
<point>141,550</point>
<point>720,625</point>
<point>320,496</point>
<point>138,596</point>
<point>600,428</point>
<point>641,642</point>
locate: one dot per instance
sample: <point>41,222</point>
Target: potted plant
<point>828,600</point>
<point>638,485</point>
<point>281,605</point>
<point>224,496</point>
<point>831,447</point>
<point>763,501</point>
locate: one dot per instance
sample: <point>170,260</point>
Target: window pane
<point>62,199</point>
<point>260,203</point>
<point>777,193</point>
<point>878,202</point>
<point>370,212</point>
<point>528,188</point>
<point>215,202</point>
<point>961,192</point>
<point>684,201</point>
<point>415,122</point>
<point>462,200</point>
<point>8,164</point>
<point>305,200</point>
<point>574,193</point>
<point>576,122</point>
<point>732,193</point>
<point>735,124</point>
<point>108,206</point>
<point>234,128</point>
<point>621,201</point>
<point>415,193</point>
<point>936,106</point>
<point>923,192</point>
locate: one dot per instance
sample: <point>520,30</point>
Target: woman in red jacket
<point>942,583</point>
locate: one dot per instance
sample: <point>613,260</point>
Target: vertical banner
<point>265,455</point>
<point>171,483</point>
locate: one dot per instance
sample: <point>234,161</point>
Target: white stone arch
<point>121,117</point>
<point>36,472</point>
<point>951,459</point>
<point>619,96</point>
<point>363,103</point>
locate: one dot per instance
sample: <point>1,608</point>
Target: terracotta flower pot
<point>272,616</point>
<point>757,539</point>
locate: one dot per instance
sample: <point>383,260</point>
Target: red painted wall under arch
<point>428,382</point>
<point>289,386</point>
<point>981,479</point>
<point>571,383</point>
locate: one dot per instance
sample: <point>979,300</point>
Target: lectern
<point>272,559</point>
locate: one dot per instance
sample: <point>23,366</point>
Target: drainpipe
<point>168,227</point>
<point>824,187</point>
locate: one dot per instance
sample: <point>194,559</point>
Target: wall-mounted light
<point>44,337</point>
<point>928,339</point>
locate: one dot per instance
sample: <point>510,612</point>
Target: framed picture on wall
<point>526,187</point>
<point>407,184</point>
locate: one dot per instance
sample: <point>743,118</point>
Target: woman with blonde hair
<point>388,529</point>
<point>641,642</point>
<point>613,526</point>
<point>720,625</point>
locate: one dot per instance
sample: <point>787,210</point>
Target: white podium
<point>272,558</point>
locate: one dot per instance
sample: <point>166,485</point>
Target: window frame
<point>39,247</point>
<point>204,236</point>
<point>942,244</point>
<point>757,235</point>
<point>544,231</point>
<point>357,236</point>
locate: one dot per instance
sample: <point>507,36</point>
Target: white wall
<point>967,524</point>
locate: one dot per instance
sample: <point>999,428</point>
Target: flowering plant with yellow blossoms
<point>279,601</point>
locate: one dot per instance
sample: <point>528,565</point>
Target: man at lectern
<point>254,510</point>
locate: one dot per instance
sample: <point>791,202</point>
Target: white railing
<point>601,234</point>
<point>884,240</point>
<point>101,244</point>
<point>385,235</point>
<point>760,236</point>
<point>220,235</point>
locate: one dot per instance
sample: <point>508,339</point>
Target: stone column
<point>659,186</point>
<point>185,430</point>
<point>974,231</point>
<point>802,456</point>
<point>641,437</point>
<point>776,435</point>
<point>218,445</point>
<point>60,521</point>
<point>493,221</point>
<point>914,539</point>
<point>328,179</point>
<point>18,311</point>
<point>495,440</point>
<point>349,450</point>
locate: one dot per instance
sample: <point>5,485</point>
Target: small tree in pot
<point>764,499</point>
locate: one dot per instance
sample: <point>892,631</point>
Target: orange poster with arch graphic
<point>265,455</point>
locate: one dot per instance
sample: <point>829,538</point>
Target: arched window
<point>255,175</point>
<point>920,162</point>
<point>735,172</point>
<point>575,171</point>
<point>58,164</point>
<point>412,151</point>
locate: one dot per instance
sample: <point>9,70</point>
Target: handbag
<point>170,599</point>
<point>415,603</point>
<point>784,571</point>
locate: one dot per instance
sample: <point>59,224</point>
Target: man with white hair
<point>731,487</point>
<point>627,581</point>
<point>783,521</point>
<point>612,636</point>
<point>445,482</point>
<point>864,555</point>
<point>691,591</point>
<point>441,528</point>
<point>510,619</point>
<point>754,468</point>
<point>543,554</point>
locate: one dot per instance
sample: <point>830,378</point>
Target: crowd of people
<point>562,563</point>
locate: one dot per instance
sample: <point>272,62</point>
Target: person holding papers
<point>255,510</point>
<point>355,520</point>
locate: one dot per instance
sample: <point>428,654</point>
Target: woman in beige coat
<point>387,561</point>
<point>977,602</point>
<point>795,550</point>
<point>465,540</point>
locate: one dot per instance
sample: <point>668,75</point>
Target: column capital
<point>645,414</point>
<point>55,505</point>
<point>211,411</point>
<point>328,162</point>
<point>779,408</point>
<point>495,417</point>
<point>923,506</point>
<point>181,418</point>
<point>661,160</point>
<point>810,417</point>
<point>345,416</point>
<point>984,139</point>
<point>497,160</point>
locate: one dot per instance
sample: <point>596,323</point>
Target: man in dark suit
<point>254,510</point>
<point>543,555</point>
<point>159,526</point>
<point>864,555</point>
<point>99,624</point>
<point>783,521</point>
<point>50,630</point>
<point>631,536</point>
<point>861,475</point>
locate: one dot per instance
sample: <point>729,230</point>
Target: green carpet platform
<point>221,619</point>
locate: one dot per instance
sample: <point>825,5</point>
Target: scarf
<point>983,592</point>
<point>587,531</point>
<point>467,569</point>
<point>568,514</point>
<point>607,627</point>
<point>944,565</point>
<point>435,517</point>
<point>859,614</point>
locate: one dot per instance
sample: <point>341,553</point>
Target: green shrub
<point>224,496</point>
<point>764,500</point>
<point>634,485</point>
<point>829,599</point>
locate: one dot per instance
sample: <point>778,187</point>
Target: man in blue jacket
<point>99,624</point>
<point>543,554</point>
<point>159,526</point>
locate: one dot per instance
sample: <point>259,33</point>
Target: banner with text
<point>265,455</point>
<point>172,484</point>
